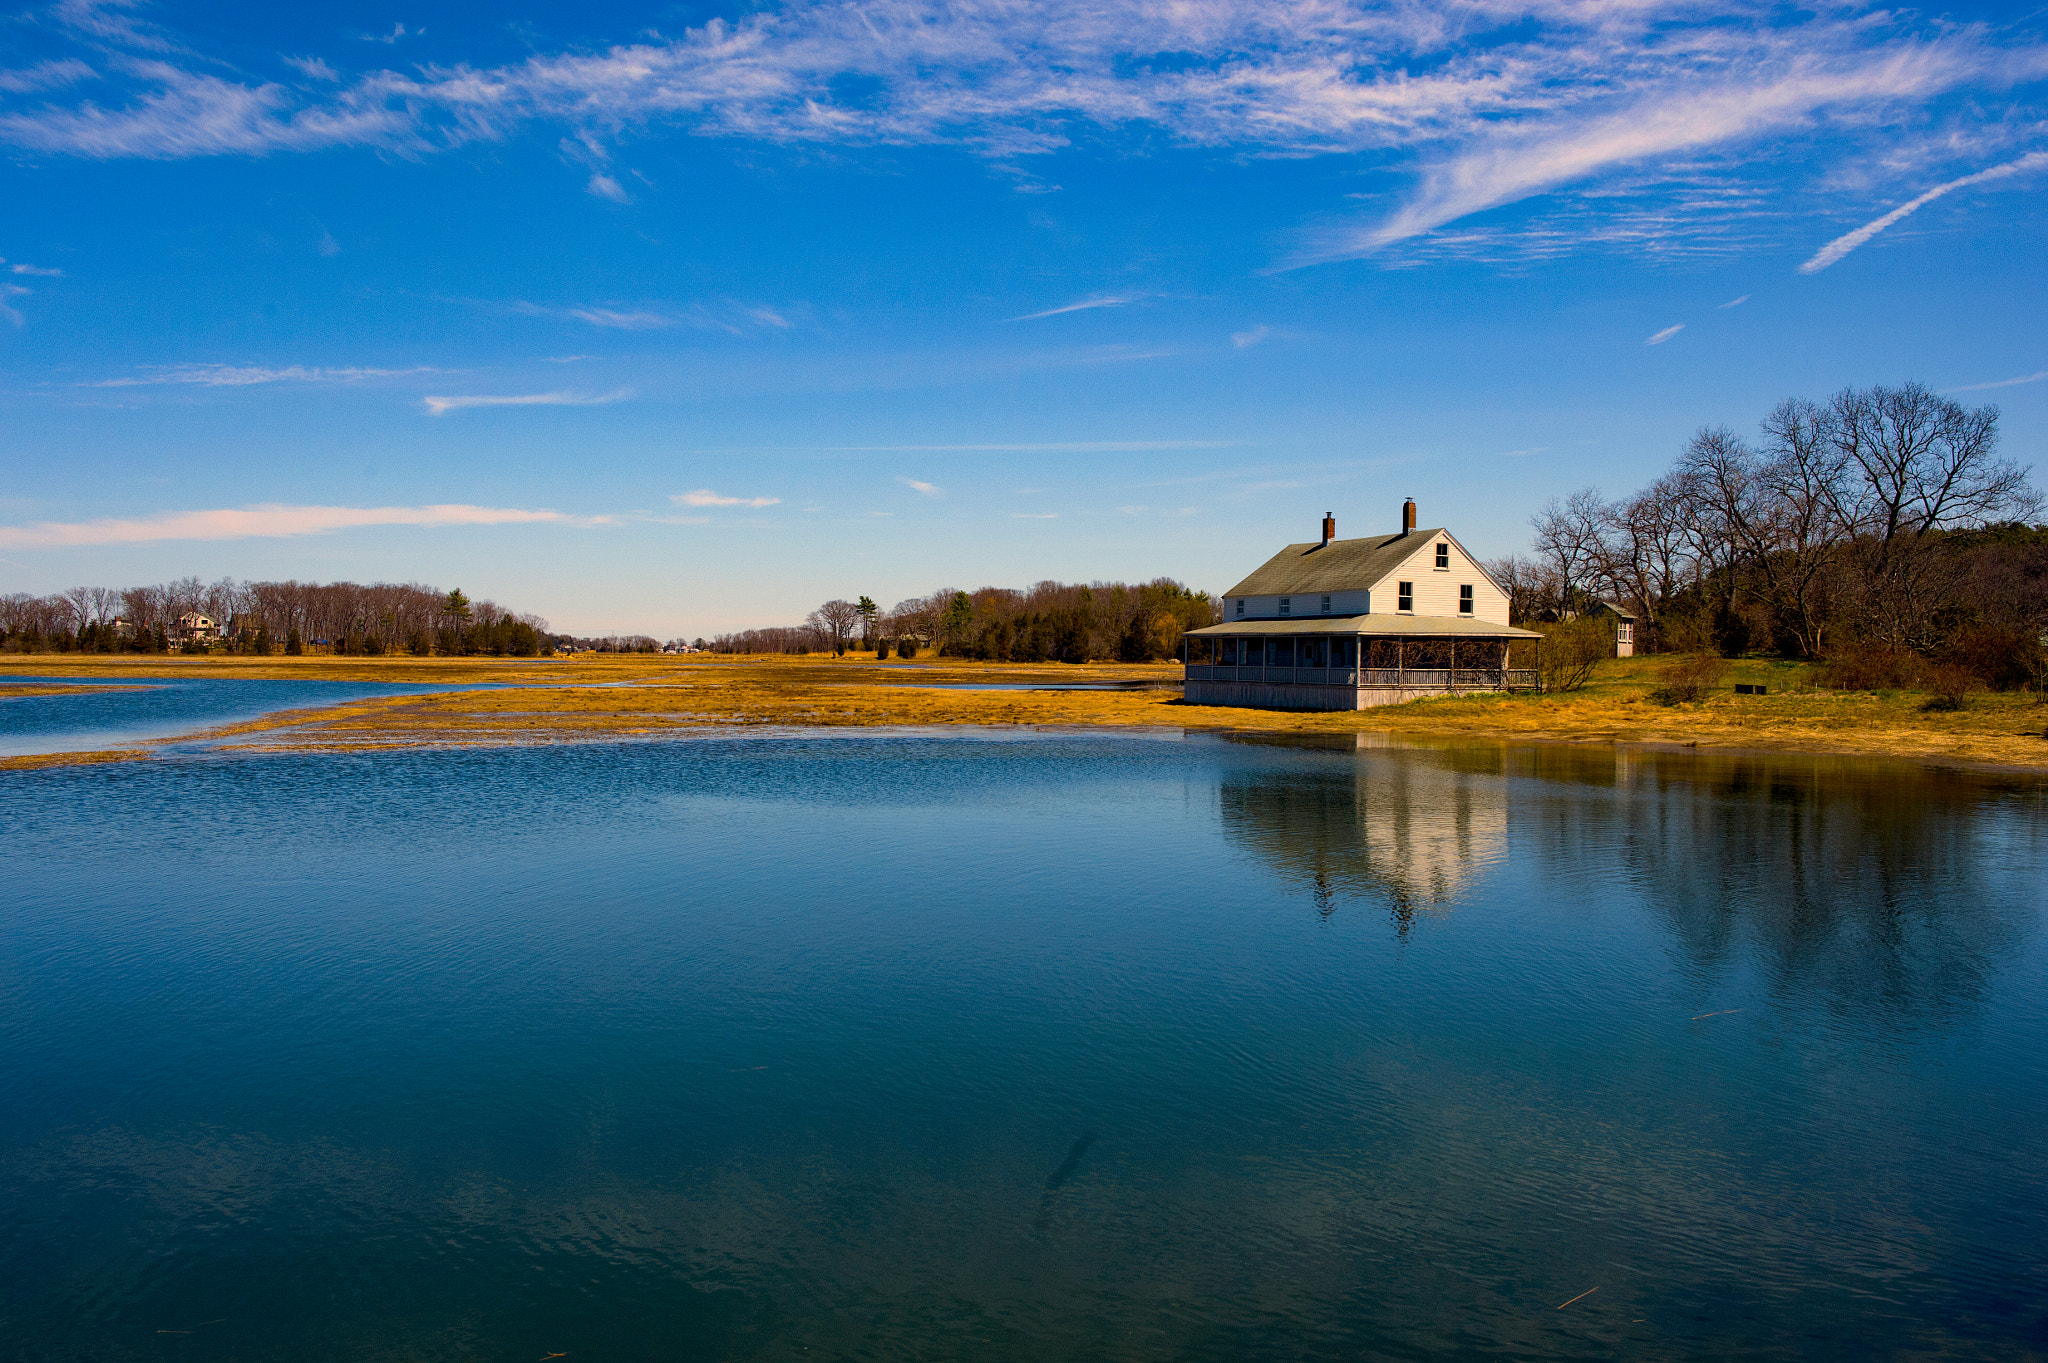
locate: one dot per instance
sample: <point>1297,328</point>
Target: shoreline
<point>531,702</point>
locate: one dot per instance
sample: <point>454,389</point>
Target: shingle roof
<point>1414,626</point>
<point>1339,566</point>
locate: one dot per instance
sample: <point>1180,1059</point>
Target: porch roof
<point>1388,626</point>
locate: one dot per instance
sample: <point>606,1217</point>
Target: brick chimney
<point>1329,527</point>
<point>1408,516</point>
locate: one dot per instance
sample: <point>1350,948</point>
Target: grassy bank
<point>640,696</point>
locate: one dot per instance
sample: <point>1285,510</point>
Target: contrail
<point>1843,245</point>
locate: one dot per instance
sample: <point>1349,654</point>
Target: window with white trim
<point>1404,597</point>
<point>1464,598</point>
<point>1443,555</point>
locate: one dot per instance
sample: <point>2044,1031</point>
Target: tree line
<point>1882,521</point>
<point>269,617</point>
<point>1049,622</point>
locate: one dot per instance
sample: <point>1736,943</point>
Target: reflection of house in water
<point>1409,830</point>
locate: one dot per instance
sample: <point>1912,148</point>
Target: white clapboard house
<point>1347,624</point>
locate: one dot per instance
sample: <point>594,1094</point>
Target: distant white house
<point>1349,624</point>
<point>193,627</point>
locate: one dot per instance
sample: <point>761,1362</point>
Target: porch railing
<point>1421,678</point>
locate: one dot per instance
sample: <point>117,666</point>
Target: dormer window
<point>1443,555</point>
<point>1405,597</point>
<point>1287,605</point>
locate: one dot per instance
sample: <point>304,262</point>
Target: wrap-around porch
<point>1348,664</point>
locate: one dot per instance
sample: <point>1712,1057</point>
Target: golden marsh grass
<point>648,696</point>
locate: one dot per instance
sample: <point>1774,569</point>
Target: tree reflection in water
<point>1877,888</point>
<point>1881,889</point>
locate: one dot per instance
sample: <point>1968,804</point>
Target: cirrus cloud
<point>1480,105</point>
<point>704,496</point>
<point>441,406</point>
<point>248,375</point>
<point>269,520</point>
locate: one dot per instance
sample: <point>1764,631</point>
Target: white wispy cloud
<point>313,68</point>
<point>704,496</point>
<point>112,21</point>
<point>268,520</point>
<point>1661,337</point>
<point>2001,383</point>
<point>441,406</point>
<point>245,375</point>
<point>926,489</point>
<point>605,187</point>
<point>1242,339</point>
<point>1085,305</point>
<point>48,75</point>
<point>1699,208</point>
<point>617,320</point>
<point>1034,515</point>
<point>1849,241</point>
<point>1057,446</point>
<point>8,312</point>
<point>730,316</point>
<point>176,114</point>
<point>1485,103</point>
<point>1734,303</point>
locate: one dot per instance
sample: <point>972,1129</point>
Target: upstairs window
<point>1287,605</point>
<point>1405,596</point>
<point>1443,556</point>
<point>1465,598</point>
<point>1240,605</point>
<point>1326,605</point>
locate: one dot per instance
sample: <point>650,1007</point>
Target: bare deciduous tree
<point>1647,558</point>
<point>1569,539</point>
<point>837,620</point>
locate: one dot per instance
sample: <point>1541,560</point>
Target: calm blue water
<point>160,707</point>
<point>1058,1048</point>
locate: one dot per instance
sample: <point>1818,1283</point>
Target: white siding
<point>1436,589</point>
<point>1310,606</point>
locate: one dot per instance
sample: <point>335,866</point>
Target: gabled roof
<point>1339,566</point>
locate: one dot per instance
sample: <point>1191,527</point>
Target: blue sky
<point>686,318</point>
